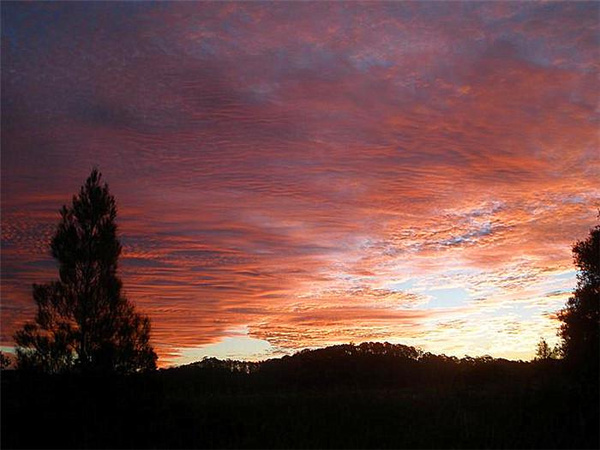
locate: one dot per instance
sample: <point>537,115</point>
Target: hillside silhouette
<point>372,395</point>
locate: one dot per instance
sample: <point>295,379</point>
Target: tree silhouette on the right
<point>581,316</point>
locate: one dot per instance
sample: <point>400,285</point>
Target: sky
<point>292,175</point>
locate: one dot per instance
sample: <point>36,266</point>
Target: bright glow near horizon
<point>294,175</point>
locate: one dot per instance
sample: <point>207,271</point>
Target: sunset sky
<point>294,175</point>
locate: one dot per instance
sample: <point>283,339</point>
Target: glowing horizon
<point>294,175</point>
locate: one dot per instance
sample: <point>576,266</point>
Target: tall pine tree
<point>84,322</point>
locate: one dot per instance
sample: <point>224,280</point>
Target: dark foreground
<point>314,400</point>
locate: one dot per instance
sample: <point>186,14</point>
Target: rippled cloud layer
<point>293,175</point>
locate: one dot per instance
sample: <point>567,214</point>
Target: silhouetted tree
<point>545,352</point>
<point>581,316</point>
<point>83,319</point>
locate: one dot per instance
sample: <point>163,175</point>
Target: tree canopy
<point>581,316</point>
<point>83,320</point>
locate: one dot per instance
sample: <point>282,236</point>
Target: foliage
<point>581,316</point>
<point>83,320</point>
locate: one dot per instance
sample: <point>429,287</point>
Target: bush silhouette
<point>83,320</point>
<point>4,361</point>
